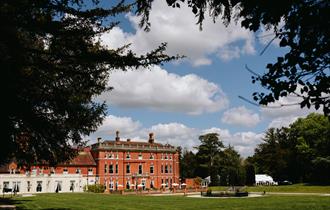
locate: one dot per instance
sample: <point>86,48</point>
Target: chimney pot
<point>117,136</point>
<point>151,138</point>
<point>99,139</point>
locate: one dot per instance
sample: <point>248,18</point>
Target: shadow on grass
<point>20,208</point>
<point>20,204</point>
<point>317,184</point>
<point>10,201</point>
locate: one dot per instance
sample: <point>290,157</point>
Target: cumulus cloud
<point>240,116</point>
<point>111,124</point>
<point>177,27</point>
<point>223,133</point>
<point>162,91</point>
<point>267,34</point>
<point>176,134</point>
<point>243,142</point>
<point>285,111</point>
<point>280,122</point>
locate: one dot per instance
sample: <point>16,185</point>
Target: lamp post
<point>87,181</point>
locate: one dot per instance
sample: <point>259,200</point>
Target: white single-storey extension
<point>264,179</point>
<point>46,183</point>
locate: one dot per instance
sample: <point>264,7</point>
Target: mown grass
<point>295,188</point>
<point>90,201</point>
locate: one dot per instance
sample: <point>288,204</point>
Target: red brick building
<point>83,164</point>
<point>118,164</point>
<point>126,164</point>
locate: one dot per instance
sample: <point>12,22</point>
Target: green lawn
<point>91,201</point>
<point>301,188</point>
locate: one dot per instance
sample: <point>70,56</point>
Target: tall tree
<point>250,178</point>
<point>302,28</point>
<point>312,147</point>
<point>52,68</point>
<point>270,157</point>
<point>188,165</point>
<point>299,153</point>
<point>208,155</point>
<point>231,168</point>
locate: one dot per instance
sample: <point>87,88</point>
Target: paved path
<point>251,194</point>
<point>290,193</point>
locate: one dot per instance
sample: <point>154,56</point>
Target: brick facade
<point>135,165</point>
<point>116,164</point>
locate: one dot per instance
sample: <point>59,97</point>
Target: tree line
<point>297,153</point>
<point>223,164</point>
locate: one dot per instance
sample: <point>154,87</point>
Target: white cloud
<point>177,27</point>
<point>223,133</point>
<point>111,124</point>
<point>285,111</point>
<point>243,142</point>
<point>162,91</point>
<point>176,134</point>
<point>241,116</point>
<point>267,34</point>
<point>280,122</point>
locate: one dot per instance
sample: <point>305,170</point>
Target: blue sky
<point>181,100</point>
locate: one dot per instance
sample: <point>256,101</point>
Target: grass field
<point>299,188</point>
<point>79,201</point>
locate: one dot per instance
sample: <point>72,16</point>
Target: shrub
<point>209,192</point>
<point>96,188</point>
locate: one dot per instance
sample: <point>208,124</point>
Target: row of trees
<point>298,153</point>
<point>223,164</point>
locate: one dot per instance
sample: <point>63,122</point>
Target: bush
<point>95,188</point>
<point>209,192</point>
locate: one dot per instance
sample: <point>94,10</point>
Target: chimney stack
<point>99,140</point>
<point>128,140</point>
<point>151,138</point>
<point>117,136</point>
